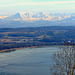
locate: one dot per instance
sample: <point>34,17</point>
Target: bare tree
<point>63,61</point>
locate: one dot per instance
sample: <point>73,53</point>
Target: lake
<point>27,61</point>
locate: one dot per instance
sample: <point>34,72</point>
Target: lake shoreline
<point>20,48</point>
<point>13,49</point>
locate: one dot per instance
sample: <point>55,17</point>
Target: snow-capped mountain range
<point>36,19</point>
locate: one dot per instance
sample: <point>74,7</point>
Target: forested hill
<point>47,28</point>
<point>36,36</point>
<point>45,34</point>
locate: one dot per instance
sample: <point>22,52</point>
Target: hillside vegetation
<point>36,36</point>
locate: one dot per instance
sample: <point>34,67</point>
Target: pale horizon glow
<point>14,6</point>
<point>41,3</point>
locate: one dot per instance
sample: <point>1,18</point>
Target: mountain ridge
<point>24,19</point>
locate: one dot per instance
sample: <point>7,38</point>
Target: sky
<point>49,6</point>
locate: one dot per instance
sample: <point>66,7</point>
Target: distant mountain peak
<point>17,15</point>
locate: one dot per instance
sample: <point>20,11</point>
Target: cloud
<point>40,3</point>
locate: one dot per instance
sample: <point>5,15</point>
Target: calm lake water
<point>35,61</point>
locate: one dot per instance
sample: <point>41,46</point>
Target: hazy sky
<point>14,6</point>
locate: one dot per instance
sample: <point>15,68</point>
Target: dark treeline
<point>33,44</point>
<point>19,45</point>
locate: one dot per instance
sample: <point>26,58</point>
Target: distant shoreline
<point>25,47</point>
<point>19,48</point>
<point>13,49</point>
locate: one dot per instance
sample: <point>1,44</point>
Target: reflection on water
<point>35,61</point>
<point>8,51</point>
